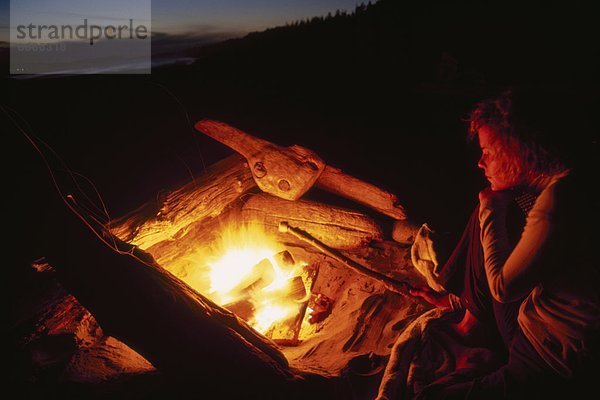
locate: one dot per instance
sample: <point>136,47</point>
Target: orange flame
<point>237,271</point>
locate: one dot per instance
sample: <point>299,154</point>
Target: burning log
<point>297,290</point>
<point>169,215</point>
<point>243,308</point>
<point>261,276</point>
<point>338,227</point>
<point>287,333</point>
<point>275,286</point>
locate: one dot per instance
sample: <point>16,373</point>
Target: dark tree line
<point>339,14</point>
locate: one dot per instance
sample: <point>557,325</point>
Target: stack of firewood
<point>136,294</point>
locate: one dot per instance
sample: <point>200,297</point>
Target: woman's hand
<point>439,300</point>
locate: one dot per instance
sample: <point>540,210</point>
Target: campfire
<point>248,272</point>
<point>246,266</point>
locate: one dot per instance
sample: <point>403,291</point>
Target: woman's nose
<point>481,163</point>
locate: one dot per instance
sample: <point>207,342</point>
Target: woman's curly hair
<point>520,129</point>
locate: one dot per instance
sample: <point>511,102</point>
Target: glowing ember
<point>245,268</point>
<point>271,313</point>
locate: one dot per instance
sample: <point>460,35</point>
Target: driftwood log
<point>169,215</point>
<point>68,338</point>
<point>405,231</point>
<point>337,227</point>
<point>288,172</point>
<point>335,181</point>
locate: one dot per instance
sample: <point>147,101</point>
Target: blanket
<point>429,352</point>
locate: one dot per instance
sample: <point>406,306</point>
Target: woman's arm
<point>512,273</point>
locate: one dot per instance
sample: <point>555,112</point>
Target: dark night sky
<point>232,17</point>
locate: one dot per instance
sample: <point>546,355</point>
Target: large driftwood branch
<point>339,228</point>
<point>169,215</point>
<point>289,172</point>
<point>286,172</point>
<point>335,181</point>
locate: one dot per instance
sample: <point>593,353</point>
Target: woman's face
<point>495,160</point>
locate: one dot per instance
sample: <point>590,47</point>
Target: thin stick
<point>393,284</point>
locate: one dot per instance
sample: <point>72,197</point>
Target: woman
<point>542,285</point>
